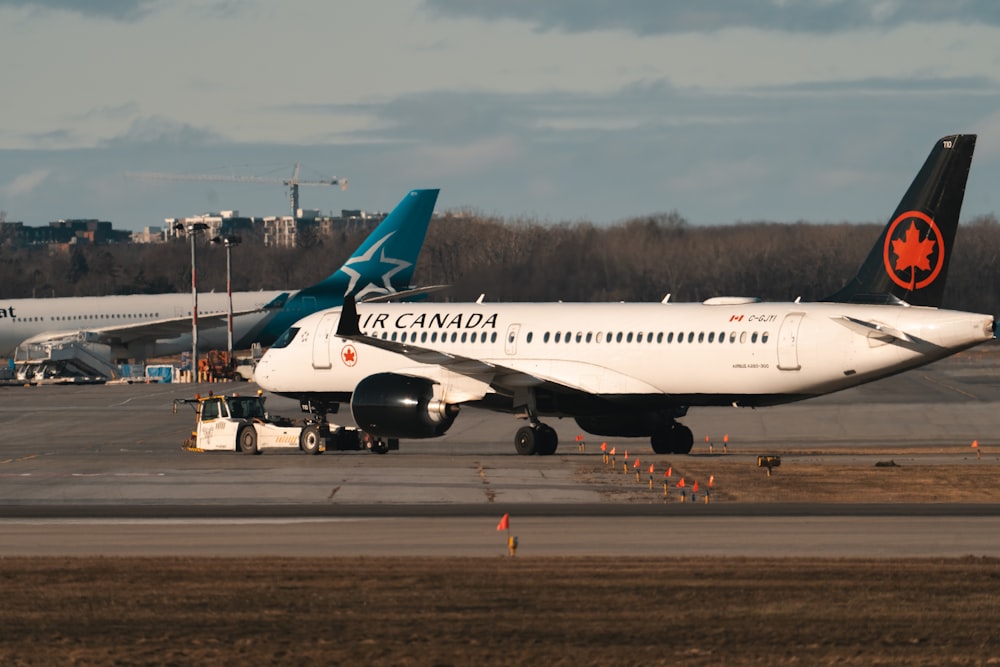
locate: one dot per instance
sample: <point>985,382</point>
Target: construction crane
<point>292,183</point>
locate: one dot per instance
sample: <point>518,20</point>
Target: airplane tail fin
<point>909,263</point>
<point>385,261</point>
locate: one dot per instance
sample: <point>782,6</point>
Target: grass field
<point>499,611</point>
<point>738,480</point>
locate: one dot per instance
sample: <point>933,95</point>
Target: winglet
<point>349,324</point>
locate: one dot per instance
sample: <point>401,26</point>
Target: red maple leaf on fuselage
<point>912,252</point>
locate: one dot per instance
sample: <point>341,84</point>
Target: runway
<point>99,470</point>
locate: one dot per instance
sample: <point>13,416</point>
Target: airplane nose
<point>260,371</point>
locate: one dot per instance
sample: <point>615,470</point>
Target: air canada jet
<point>147,325</point>
<point>634,369</point>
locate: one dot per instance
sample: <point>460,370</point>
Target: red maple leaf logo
<point>912,253</point>
<point>348,355</point>
<point>905,255</point>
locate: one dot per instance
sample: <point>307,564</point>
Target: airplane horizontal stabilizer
<point>885,333</point>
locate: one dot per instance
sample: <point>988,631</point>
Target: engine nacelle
<point>390,405</point>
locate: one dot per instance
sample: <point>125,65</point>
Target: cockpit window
<point>286,338</point>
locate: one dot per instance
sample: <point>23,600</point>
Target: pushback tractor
<point>236,423</point>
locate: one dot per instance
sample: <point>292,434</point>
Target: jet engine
<point>390,405</point>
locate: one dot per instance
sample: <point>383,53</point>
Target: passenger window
<point>628,339</point>
<point>618,337</point>
<point>753,337</point>
<point>711,336</point>
<point>464,337</point>
<point>764,336</point>
<point>732,336</point>
<point>558,336</point>
<point>545,338</point>
<point>589,336</point>
<point>701,336</point>
<point>670,337</point>
<point>690,336</point>
<point>743,337</point>
<point>526,338</point>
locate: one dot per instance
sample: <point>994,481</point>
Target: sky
<point>550,110</point>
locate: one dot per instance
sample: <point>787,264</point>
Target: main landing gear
<point>538,439</point>
<point>675,438</point>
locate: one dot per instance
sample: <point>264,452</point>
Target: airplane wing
<point>405,294</point>
<point>165,328</point>
<point>507,377</point>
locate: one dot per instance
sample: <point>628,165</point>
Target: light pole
<point>192,229</point>
<point>229,242</point>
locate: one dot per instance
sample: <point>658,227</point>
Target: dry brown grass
<point>738,479</point>
<point>446,611</point>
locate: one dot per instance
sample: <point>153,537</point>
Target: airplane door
<point>788,342</point>
<point>510,343</point>
<point>321,343</point>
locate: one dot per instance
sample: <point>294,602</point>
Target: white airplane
<point>633,369</point>
<point>148,325</point>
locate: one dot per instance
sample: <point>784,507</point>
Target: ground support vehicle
<point>240,423</point>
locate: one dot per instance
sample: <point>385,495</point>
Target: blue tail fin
<point>384,263</point>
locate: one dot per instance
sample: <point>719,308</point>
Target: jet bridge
<point>76,358</point>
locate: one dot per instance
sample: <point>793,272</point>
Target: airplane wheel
<point>548,440</point>
<point>309,440</point>
<point>247,440</point>
<point>661,442</point>
<point>682,439</point>
<point>526,441</point>
<point>380,446</point>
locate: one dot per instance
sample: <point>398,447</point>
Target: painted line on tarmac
<point>249,521</point>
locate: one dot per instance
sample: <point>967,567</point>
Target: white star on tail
<point>369,258</point>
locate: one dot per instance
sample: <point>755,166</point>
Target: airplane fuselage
<point>23,319</point>
<point>624,356</point>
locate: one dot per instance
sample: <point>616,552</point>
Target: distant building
<point>278,231</point>
<point>75,232</point>
<point>149,235</point>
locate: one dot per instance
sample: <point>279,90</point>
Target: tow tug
<point>240,423</point>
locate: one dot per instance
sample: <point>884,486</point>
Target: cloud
<point>25,184</point>
<point>117,10</point>
<point>437,162</point>
<point>162,131</point>
<point>651,17</point>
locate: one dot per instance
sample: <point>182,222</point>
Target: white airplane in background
<point>149,325</point>
<point>633,369</point>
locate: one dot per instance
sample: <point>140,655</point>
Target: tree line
<point>640,259</point>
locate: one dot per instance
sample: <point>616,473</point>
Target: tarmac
<point>99,470</point>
